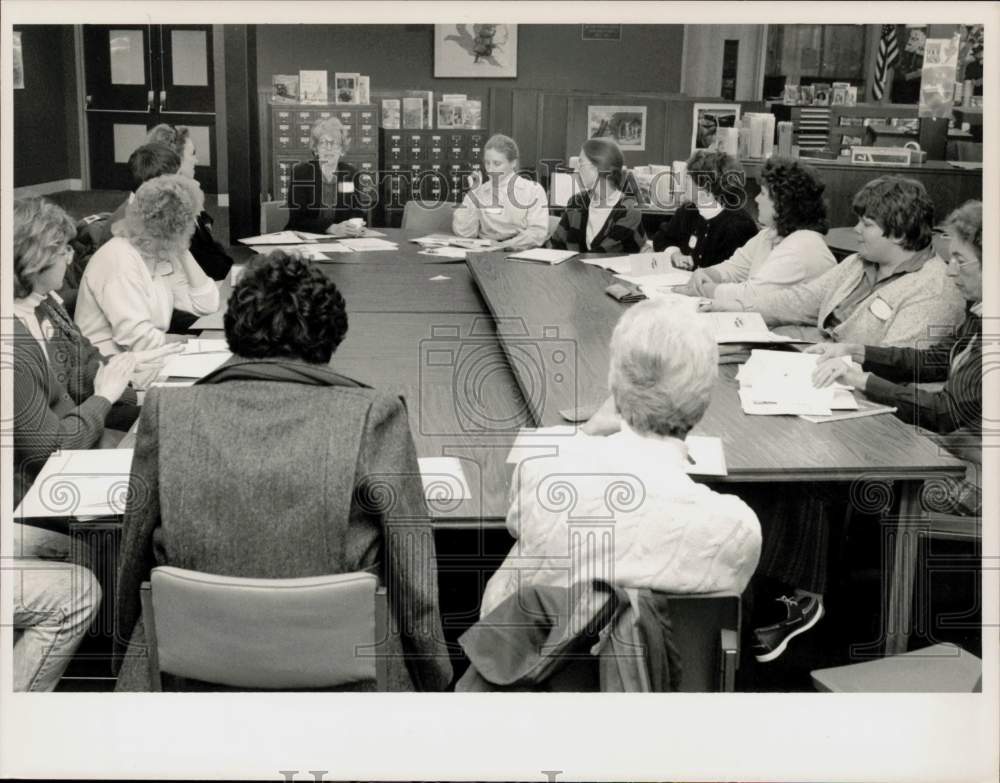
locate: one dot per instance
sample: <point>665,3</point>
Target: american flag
<point>888,53</point>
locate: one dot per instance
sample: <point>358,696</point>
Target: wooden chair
<point>279,634</point>
<point>273,216</point>
<point>943,668</point>
<point>432,220</point>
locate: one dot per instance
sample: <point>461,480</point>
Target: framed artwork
<point>708,118</point>
<point>483,51</point>
<point>625,124</point>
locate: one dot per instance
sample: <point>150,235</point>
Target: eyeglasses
<point>961,264</point>
<point>335,144</point>
<point>65,249</point>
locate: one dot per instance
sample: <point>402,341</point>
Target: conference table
<point>484,347</point>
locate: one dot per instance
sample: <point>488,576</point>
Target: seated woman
<point>136,280</point>
<point>958,362</point>
<point>628,467</point>
<point>789,249</point>
<point>327,195</point>
<point>149,161</point>
<point>507,208</point>
<point>888,293</point>
<point>65,392</point>
<point>714,226</point>
<point>66,396</point>
<point>320,474</point>
<point>601,219</point>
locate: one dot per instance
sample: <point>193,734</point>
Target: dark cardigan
<point>54,403</point>
<point>715,240</point>
<point>308,210</point>
<point>621,233</point>
<point>959,403</point>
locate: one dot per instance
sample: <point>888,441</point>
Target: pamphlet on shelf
<point>544,254</point>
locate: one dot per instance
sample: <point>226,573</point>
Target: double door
<point>139,76</point>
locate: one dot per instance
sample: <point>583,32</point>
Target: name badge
<point>692,241</point>
<point>880,309</point>
<point>345,187</point>
<point>164,268</point>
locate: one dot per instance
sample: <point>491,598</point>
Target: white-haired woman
<point>136,280</point>
<point>663,531</point>
<point>327,195</point>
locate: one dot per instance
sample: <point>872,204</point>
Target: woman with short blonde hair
<point>134,282</point>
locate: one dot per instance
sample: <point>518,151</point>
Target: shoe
<point>803,613</point>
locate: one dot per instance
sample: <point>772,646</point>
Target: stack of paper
<point>277,238</point>
<point>91,482</point>
<point>742,328</point>
<point>544,255</point>
<point>620,265</point>
<point>779,382</point>
<point>200,357</point>
<point>659,283</point>
<point>454,253</point>
<point>445,240</point>
<point>705,453</point>
<point>367,244</point>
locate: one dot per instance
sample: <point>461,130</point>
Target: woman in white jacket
<point>507,208</point>
<point>788,250</point>
<point>136,279</point>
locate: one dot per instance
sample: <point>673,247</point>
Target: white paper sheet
<point>92,482</point>
<point>544,254</point>
<point>196,365</point>
<point>620,265</point>
<point>368,244</point>
<point>443,479</point>
<point>742,328</point>
<point>445,252</point>
<point>276,238</point>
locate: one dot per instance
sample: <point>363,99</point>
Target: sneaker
<point>803,613</point>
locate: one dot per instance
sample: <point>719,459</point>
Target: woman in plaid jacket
<point>601,219</point>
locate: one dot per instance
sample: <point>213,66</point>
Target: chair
<point>273,216</point>
<point>943,668</point>
<point>435,219</point>
<point>313,632</point>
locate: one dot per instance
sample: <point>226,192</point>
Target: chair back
<point>273,216</point>
<point>553,225</point>
<point>942,668</point>
<point>430,219</point>
<point>313,632</point>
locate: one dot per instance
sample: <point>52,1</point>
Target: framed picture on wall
<point>625,124</point>
<point>708,118</point>
<point>477,51</point>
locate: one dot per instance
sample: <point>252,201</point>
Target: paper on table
<point>92,482</point>
<point>314,252</point>
<point>544,254</point>
<point>204,345</point>
<point>787,368</point>
<point>742,328</point>
<point>212,320</point>
<point>800,407</point>
<point>443,479</point>
<point>363,245</point>
<point>620,265</point>
<point>707,457</point>
<point>540,441</point>
<point>196,365</point>
<point>438,278</point>
<point>439,240</point>
<point>457,253</point>
<point>659,280</point>
<point>276,238</point>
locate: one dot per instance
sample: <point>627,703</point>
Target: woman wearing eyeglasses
<point>326,193</point>
<point>887,375</point>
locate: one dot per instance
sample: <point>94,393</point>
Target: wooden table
<point>564,309</point>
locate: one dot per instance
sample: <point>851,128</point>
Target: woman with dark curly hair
<point>135,281</point>
<point>789,249</point>
<point>335,489</point>
<point>713,226</point>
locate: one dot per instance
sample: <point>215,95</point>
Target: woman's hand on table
<point>832,350</point>
<point>681,261</point>
<point>605,422</point>
<point>836,370</point>
<point>153,358</point>
<point>113,377</point>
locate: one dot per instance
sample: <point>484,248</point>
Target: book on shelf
<point>413,113</point>
<point>473,114</point>
<point>364,89</point>
<point>450,115</point>
<point>427,106</point>
<point>345,87</point>
<point>284,88</point>
<point>312,87</point>
<point>391,113</point>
